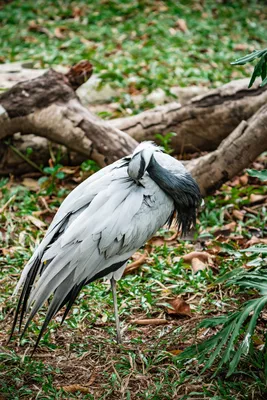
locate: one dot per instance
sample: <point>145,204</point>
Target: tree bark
<point>203,122</point>
<point>234,154</point>
<point>48,106</point>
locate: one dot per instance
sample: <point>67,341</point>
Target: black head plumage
<point>184,191</point>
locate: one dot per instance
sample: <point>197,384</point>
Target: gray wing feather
<point>102,224</point>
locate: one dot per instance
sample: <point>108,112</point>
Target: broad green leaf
<point>225,333</point>
<point>254,249</point>
<point>262,175</point>
<point>257,306</point>
<point>249,57</point>
<point>264,82</point>
<point>49,170</point>
<point>257,71</point>
<point>60,175</point>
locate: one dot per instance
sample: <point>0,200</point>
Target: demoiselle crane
<point>100,224</point>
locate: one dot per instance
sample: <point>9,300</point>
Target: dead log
<point>203,122</point>
<point>234,154</point>
<point>48,106</point>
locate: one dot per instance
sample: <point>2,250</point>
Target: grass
<point>135,45</point>
<point>83,352</point>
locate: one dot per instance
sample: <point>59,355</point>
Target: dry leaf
<point>8,251</point>
<point>162,8</point>
<point>231,226</point>
<point>227,215</point>
<point>77,12</point>
<point>258,341</point>
<point>226,229</point>
<point>30,39</point>
<point>235,181</point>
<point>161,240</point>
<point>172,31</point>
<point>92,378</point>
<point>35,221</point>
<point>75,388</point>
<point>215,249</point>
<point>181,25</point>
<point>179,307</point>
<point>136,264</point>
<point>31,184</point>
<point>59,32</point>
<point>69,170</point>
<point>89,43</point>
<point>34,27</point>
<point>244,180</point>
<point>255,240</point>
<point>175,352</point>
<point>257,198</point>
<point>151,321</point>
<point>238,215</point>
<point>201,255</point>
<point>241,47</point>
<point>172,238</point>
<point>157,241</point>
<point>198,265</point>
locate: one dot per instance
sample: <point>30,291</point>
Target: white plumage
<point>101,223</point>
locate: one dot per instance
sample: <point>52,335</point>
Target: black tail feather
<point>53,309</point>
<point>59,300</point>
<point>23,299</point>
<point>70,299</point>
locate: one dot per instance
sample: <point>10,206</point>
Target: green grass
<point>136,45</point>
<point>83,350</point>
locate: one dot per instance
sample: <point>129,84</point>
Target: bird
<point>100,225</point>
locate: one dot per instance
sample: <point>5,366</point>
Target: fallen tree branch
<point>48,106</point>
<point>203,122</point>
<point>234,154</point>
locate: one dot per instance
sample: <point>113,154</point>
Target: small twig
<point>51,153</point>
<point>2,209</point>
<point>25,158</point>
<point>248,209</point>
<point>151,321</point>
<point>184,322</point>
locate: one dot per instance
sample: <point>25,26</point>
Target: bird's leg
<point>114,294</point>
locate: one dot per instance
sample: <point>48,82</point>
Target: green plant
<point>89,165</point>
<point>261,175</point>
<point>165,141</point>
<point>235,338</point>
<point>53,173</point>
<point>260,68</point>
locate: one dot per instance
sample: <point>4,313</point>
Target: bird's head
<point>172,177</point>
<point>141,159</point>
